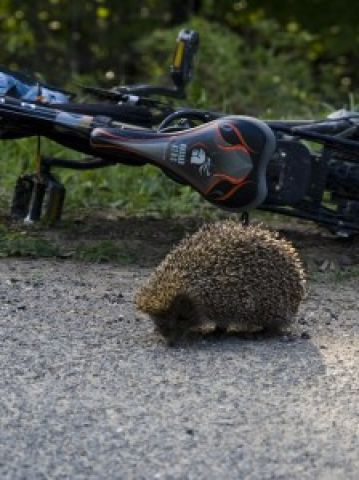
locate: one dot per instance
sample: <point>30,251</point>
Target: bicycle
<point>235,162</point>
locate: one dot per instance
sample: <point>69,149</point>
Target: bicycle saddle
<point>224,160</point>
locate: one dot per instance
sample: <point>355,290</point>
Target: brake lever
<point>171,92</point>
<point>103,93</point>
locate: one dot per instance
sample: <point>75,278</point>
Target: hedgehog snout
<point>183,314</point>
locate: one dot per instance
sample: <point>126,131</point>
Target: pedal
<point>53,201</point>
<point>38,198</point>
<point>22,196</point>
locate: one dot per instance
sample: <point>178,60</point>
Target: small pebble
<point>287,338</point>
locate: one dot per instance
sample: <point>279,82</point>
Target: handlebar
<point>181,73</point>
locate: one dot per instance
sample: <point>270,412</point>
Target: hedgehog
<point>225,277</point>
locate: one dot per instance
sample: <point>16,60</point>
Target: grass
<point>102,252</point>
<point>346,274</point>
<point>339,275</point>
<point>30,243</point>
<point>21,244</point>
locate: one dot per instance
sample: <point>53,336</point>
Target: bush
<point>265,72</point>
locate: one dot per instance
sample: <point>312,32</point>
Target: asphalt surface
<point>90,391</point>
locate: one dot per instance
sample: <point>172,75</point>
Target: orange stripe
<point>244,145</point>
<point>222,176</point>
<point>231,192</point>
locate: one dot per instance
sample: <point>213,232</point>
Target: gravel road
<point>90,391</point>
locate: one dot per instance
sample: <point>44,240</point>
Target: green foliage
<point>58,37</point>
<point>267,75</point>
<point>333,28</point>
<point>62,38</point>
<point>339,275</point>
<point>30,243</point>
<point>347,274</point>
<point>143,189</point>
<point>101,252</point>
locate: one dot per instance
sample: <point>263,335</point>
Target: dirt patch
<point>145,240</point>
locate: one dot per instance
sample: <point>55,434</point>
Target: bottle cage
<point>224,160</point>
